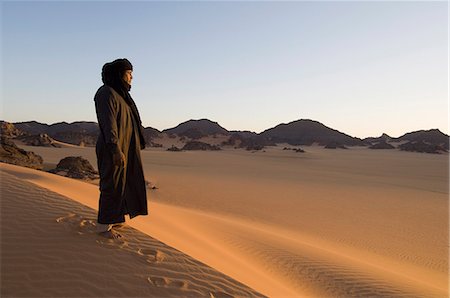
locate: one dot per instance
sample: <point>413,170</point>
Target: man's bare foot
<point>100,228</point>
<point>118,225</point>
<point>110,234</point>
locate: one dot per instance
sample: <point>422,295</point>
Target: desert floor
<point>324,223</point>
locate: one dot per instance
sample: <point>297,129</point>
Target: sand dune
<point>323,224</point>
<point>49,248</point>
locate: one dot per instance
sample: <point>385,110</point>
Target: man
<point>122,183</point>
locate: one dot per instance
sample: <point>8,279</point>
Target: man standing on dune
<point>122,183</point>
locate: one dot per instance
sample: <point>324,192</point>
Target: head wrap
<point>112,76</point>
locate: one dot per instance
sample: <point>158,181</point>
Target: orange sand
<point>354,222</point>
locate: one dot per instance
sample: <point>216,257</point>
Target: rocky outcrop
<point>196,145</point>
<point>42,140</point>
<point>432,136</point>
<point>308,132</point>
<point>382,145</point>
<point>75,167</point>
<point>10,153</point>
<point>423,147</point>
<point>153,145</point>
<point>9,130</point>
<point>383,138</point>
<point>174,149</point>
<point>76,138</point>
<point>75,133</point>
<point>298,150</point>
<point>335,145</point>
<point>196,129</point>
<point>234,140</point>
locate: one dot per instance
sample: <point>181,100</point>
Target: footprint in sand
<point>77,223</point>
<point>167,282</point>
<point>112,242</point>
<point>151,255</point>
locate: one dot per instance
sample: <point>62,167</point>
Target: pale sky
<point>363,68</point>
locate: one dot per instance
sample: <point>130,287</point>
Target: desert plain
<point>235,223</point>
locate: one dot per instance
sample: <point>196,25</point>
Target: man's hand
<point>118,158</point>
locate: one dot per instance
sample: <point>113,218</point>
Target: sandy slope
<point>352,222</point>
<point>49,248</point>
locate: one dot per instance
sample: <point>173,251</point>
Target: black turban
<point>112,75</point>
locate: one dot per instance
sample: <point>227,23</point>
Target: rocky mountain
<point>196,145</point>
<point>299,132</point>
<point>244,134</point>
<point>381,145</point>
<point>432,136</point>
<point>31,127</point>
<point>42,140</point>
<point>307,132</point>
<point>383,138</point>
<point>423,147</point>
<point>34,127</point>
<point>77,133</point>
<point>195,129</point>
<point>151,133</point>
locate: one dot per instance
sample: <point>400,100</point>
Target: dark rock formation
<point>432,137</point>
<point>234,140</point>
<point>249,143</point>
<point>10,153</point>
<point>174,149</point>
<point>154,145</point>
<point>196,145</point>
<point>383,138</point>
<point>32,127</point>
<point>76,133</point>
<point>421,146</point>
<point>196,129</point>
<point>76,138</point>
<point>42,140</point>
<point>9,130</point>
<point>298,150</point>
<point>382,145</point>
<point>335,145</point>
<point>193,133</point>
<point>307,132</point>
<point>150,134</point>
<point>75,167</point>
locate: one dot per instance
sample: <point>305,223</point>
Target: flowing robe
<point>122,188</point>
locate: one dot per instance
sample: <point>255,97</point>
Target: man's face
<point>128,76</point>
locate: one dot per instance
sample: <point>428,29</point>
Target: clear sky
<point>362,68</point>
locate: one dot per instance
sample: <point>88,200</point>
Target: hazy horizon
<point>363,68</point>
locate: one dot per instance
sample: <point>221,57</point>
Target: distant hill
<point>32,127</point>
<point>77,133</point>
<point>196,129</point>
<point>80,132</point>
<point>307,132</point>
<point>432,136</point>
<point>299,132</point>
<point>383,139</point>
<point>381,145</point>
<point>151,133</point>
<point>244,133</point>
<point>423,147</point>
